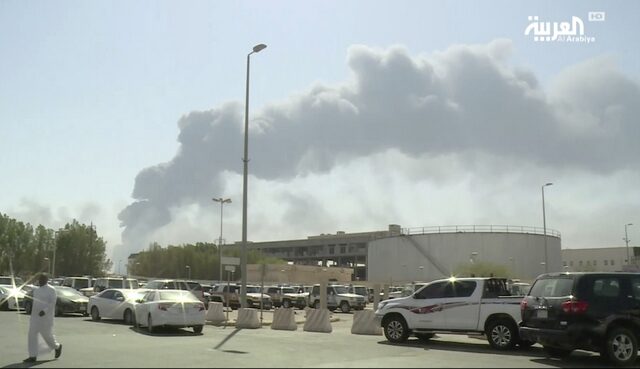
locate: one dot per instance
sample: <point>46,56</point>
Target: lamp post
<point>188,271</point>
<point>46,260</point>
<point>222,202</point>
<point>243,254</point>
<point>626,240</point>
<point>55,247</point>
<point>544,225</point>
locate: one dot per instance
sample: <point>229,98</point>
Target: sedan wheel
<point>128,317</point>
<point>286,304</point>
<point>149,324</point>
<point>95,314</point>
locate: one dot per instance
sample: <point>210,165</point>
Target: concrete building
<point>602,259</point>
<point>306,274</point>
<point>345,250</point>
<point>398,254</point>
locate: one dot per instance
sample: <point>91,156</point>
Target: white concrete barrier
<point>248,318</point>
<point>284,319</point>
<point>318,320</point>
<point>365,322</point>
<point>215,313</point>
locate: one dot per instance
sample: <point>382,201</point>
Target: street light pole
<point>626,240</point>
<point>243,254</point>
<point>188,271</point>
<point>222,202</point>
<point>544,225</point>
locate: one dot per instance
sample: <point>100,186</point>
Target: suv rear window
<point>552,287</point>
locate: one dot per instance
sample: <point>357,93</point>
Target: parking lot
<point>113,344</point>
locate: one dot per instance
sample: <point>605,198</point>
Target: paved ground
<point>112,344</point>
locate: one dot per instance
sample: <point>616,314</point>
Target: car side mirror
<point>120,298</point>
<point>139,301</point>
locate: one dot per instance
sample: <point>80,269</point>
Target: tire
<point>424,337</point>
<point>395,329</point>
<point>556,352</point>
<point>149,324</point>
<point>502,334</point>
<point>197,329</point>
<point>286,304</point>
<point>345,307</point>
<point>4,305</point>
<point>128,317</point>
<point>27,307</point>
<point>95,314</point>
<point>316,305</point>
<point>58,311</point>
<point>621,347</point>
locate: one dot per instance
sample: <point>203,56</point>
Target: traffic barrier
<point>318,320</point>
<point>248,318</point>
<point>284,319</point>
<point>215,313</point>
<point>365,322</point>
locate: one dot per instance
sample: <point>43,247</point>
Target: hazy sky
<point>364,113</point>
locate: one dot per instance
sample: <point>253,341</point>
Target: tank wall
<point>397,259</point>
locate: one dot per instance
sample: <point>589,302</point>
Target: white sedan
<point>170,308</point>
<point>11,298</point>
<point>115,304</point>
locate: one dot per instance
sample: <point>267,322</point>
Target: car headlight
<point>382,304</point>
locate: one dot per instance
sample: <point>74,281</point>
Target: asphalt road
<point>112,344</point>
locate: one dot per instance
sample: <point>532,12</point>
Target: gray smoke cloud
<point>466,99</point>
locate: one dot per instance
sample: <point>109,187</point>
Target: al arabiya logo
<point>571,32</point>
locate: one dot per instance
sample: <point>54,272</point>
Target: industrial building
<point>602,259</point>
<point>410,254</point>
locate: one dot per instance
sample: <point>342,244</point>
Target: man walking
<point>41,322</point>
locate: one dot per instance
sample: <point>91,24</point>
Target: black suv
<point>589,311</point>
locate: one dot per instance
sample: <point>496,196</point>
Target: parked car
<point>171,308</point>
<point>465,305</point>
<point>115,304</point>
<point>284,296</point>
<point>229,295</point>
<point>198,291</point>
<point>11,298</point>
<point>115,282</point>
<point>78,283</point>
<point>360,290</point>
<point>9,281</point>
<point>597,312</point>
<point>519,288</point>
<point>69,301</point>
<point>337,297</point>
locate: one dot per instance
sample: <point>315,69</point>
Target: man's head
<point>43,278</point>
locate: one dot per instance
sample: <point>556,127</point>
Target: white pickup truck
<point>455,305</point>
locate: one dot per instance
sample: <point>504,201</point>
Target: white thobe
<point>44,299</point>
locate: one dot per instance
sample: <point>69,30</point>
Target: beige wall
<point>305,274</point>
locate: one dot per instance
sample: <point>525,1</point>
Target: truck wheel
<point>395,329</point>
<point>621,347</point>
<point>197,329</point>
<point>286,304</point>
<point>502,334</point>
<point>316,305</point>
<point>344,307</point>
